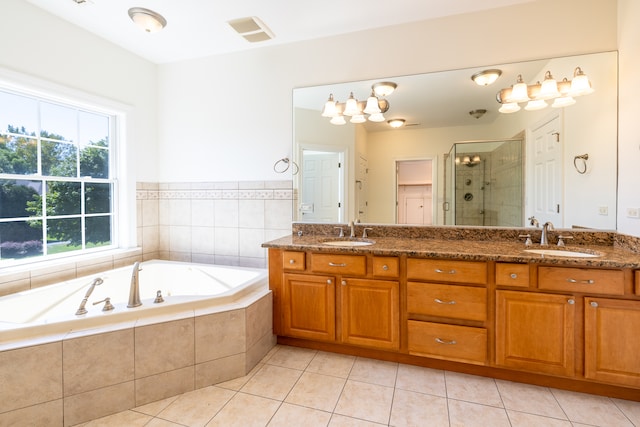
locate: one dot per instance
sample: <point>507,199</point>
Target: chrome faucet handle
<point>533,221</point>
<point>561,239</point>
<point>341,234</point>
<point>528,241</point>
<point>107,304</point>
<point>364,232</point>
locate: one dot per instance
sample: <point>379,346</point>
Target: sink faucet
<point>82,310</point>
<point>352,226</point>
<point>544,240</point>
<point>134,290</point>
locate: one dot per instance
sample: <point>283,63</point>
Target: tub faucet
<point>134,290</point>
<point>544,238</point>
<point>82,310</point>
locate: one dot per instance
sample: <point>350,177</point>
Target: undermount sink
<point>559,252</point>
<point>352,242</point>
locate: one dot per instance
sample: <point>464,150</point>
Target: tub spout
<point>134,290</point>
<point>82,310</point>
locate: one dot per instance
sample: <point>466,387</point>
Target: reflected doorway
<point>322,180</point>
<point>414,191</point>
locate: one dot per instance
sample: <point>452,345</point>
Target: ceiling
<point>198,28</point>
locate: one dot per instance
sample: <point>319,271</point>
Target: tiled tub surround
<point>215,222</point>
<point>87,374</point>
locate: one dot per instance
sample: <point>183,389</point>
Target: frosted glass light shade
<point>549,88</point>
<point>372,106</point>
<point>378,117</point>
<point>580,85</point>
<point>519,91</point>
<point>329,109</point>
<point>509,107</point>
<point>535,104</point>
<point>358,118</point>
<point>338,120</point>
<point>564,101</point>
<point>147,19</point>
<point>351,107</point>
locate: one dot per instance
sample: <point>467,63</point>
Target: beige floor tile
<point>342,421</point>
<point>422,380</point>
<point>413,409</point>
<point>370,402</point>
<point>245,410</point>
<point>316,391</point>
<point>196,408</point>
<point>529,398</point>
<point>293,415</point>
<point>271,381</point>
<point>521,419</point>
<point>590,409</point>
<point>154,408</point>
<point>238,383</point>
<point>126,418</point>
<point>630,409</point>
<point>337,365</point>
<point>291,357</point>
<point>466,414</point>
<point>159,422</point>
<point>374,372</point>
<point>471,388</point>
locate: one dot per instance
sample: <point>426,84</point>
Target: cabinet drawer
<point>293,260</point>
<point>458,302</point>
<point>446,270</point>
<point>386,266</point>
<point>354,265</point>
<point>460,343</point>
<point>587,280</point>
<point>637,282</point>
<point>512,275</point>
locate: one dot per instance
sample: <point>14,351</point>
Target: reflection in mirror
<point>444,108</point>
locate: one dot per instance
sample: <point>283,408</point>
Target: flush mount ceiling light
<point>252,29</point>
<point>477,113</point>
<point>146,19</point>
<point>396,123</point>
<point>372,109</point>
<point>384,88</point>
<point>486,77</point>
<point>537,95</point>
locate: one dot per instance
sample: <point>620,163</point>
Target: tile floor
<point>301,387</point>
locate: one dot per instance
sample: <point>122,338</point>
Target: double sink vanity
<point>468,299</point>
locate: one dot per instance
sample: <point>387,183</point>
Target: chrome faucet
<point>352,226</point>
<point>544,238</point>
<point>134,290</point>
<point>82,310</point>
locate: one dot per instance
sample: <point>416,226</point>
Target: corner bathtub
<point>50,310</point>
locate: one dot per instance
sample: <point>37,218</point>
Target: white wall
<point>629,125</point>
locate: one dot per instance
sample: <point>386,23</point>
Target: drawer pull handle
<point>445,272</point>
<point>586,282</point>
<point>385,267</point>
<point>334,264</point>
<point>513,275</point>
<point>439,301</point>
<point>445,342</point>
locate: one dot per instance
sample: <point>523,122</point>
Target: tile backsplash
<point>212,222</point>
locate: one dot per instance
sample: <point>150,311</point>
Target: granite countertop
<point>610,256</point>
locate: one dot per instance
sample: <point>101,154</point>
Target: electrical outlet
<point>603,210</point>
<point>633,212</point>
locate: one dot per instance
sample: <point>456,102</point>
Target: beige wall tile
<point>260,349</point>
<point>220,370</point>
<point>202,240</point>
<point>98,403</point>
<point>91,269</point>
<point>150,239</point>
<point>259,319</point>
<point>202,213</point>
<point>30,376</point>
<point>150,213</point>
<point>54,277</point>
<point>220,335</point>
<point>97,361</point>
<point>164,385</point>
<point>164,347</point>
<point>7,288</point>
<point>43,414</point>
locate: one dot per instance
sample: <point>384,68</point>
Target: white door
<point>362,189</point>
<point>414,204</point>
<point>320,190</point>
<point>546,196</point>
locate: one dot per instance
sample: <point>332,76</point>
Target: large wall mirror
<point>455,151</point>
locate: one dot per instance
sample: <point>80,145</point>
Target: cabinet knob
<point>291,261</point>
<point>329,281</point>
<point>593,304</point>
<point>513,275</point>
<point>385,267</point>
<point>571,301</point>
<point>344,283</point>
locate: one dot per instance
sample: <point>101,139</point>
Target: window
<point>57,185</point>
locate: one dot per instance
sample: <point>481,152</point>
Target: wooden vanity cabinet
<point>335,299</point>
<point>447,309</point>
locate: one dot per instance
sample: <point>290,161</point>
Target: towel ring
<point>286,163</point>
<point>583,167</point>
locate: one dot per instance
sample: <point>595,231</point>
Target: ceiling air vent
<point>252,29</point>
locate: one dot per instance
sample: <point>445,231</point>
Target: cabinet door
<point>309,307</point>
<point>612,348</point>
<point>370,313</point>
<point>535,332</point>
